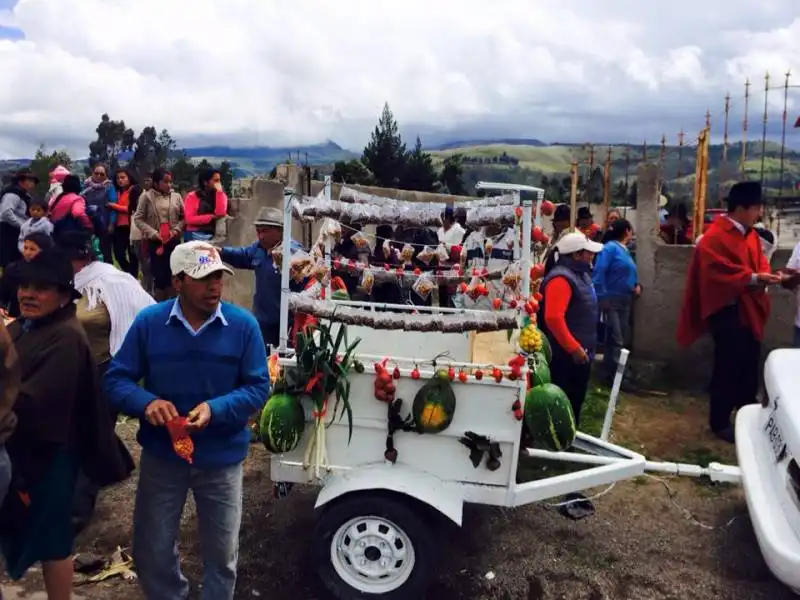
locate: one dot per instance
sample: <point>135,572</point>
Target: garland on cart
<point>321,372</point>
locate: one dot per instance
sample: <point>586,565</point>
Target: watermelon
<point>546,349</point>
<point>539,370</point>
<point>434,405</point>
<point>282,423</point>
<point>549,417</point>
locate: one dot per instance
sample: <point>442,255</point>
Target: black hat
<point>745,194</point>
<point>75,244</point>
<point>561,213</point>
<point>584,213</point>
<point>49,267</point>
<point>25,173</point>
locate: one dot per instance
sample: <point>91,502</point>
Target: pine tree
<point>452,176</point>
<point>419,173</point>
<point>385,154</point>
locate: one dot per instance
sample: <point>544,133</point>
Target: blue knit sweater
<point>224,365</point>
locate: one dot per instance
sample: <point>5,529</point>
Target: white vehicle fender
<point>443,496</point>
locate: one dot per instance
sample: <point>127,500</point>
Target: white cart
<point>378,520</point>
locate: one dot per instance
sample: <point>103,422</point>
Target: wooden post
<point>644,151</point>
<point>783,146</point>
<point>627,166</point>
<point>743,154</point>
<point>663,154</point>
<point>573,196</point>
<point>680,154</point>
<point>700,183</point>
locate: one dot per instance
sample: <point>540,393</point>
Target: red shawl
<point>721,268</point>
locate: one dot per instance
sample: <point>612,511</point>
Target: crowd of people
<point>150,337</point>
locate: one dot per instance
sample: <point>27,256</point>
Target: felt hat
<point>584,212</point>
<point>561,213</point>
<point>49,267</point>
<point>269,217</point>
<point>25,173</point>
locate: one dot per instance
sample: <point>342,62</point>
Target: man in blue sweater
<point>204,360</point>
<point>258,258</point>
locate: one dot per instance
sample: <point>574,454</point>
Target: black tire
<point>404,513</point>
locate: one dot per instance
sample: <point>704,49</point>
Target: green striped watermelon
<point>539,370</point>
<point>549,418</point>
<point>282,423</point>
<point>546,350</point>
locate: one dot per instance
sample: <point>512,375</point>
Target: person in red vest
<point>726,295</point>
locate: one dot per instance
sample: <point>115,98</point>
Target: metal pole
<point>783,146</point>
<point>288,194</point>
<point>327,190</point>
<point>612,400</point>
<point>744,128</point>
<point>764,128</point>
<point>527,217</point>
<point>607,183</point>
<point>723,172</point>
<point>680,153</point>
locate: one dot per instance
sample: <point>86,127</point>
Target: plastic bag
<point>407,254</point>
<point>442,255</point>
<point>426,255</point>
<point>300,266</point>
<point>423,286</point>
<point>361,242</point>
<point>367,281</point>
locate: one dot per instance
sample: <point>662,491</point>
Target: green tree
<point>227,176</point>
<point>113,138</point>
<point>633,195</point>
<point>184,173</point>
<point>593,190</point>
<point>419,173</point>
<point>452,176</point>
<point>152,150</point>
<point>620,193</point>
<point>385,153</point>
<point>43,163</point>
<point>351,171</point>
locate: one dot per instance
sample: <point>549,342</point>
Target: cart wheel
<point>373,546</point>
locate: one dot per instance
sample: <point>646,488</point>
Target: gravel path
<point>638,546</point>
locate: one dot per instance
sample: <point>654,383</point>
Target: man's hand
<point>637,290</point>
<point>159,412</point>
<point>768,278</point>
<point>579,356</point>
<point>198,417</point>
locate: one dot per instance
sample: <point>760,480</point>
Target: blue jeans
<point>160,496</point>
<point>198,236</point>
<point>5,472</point>
<point>617,313</point>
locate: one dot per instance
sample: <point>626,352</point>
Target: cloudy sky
<point>264,72</point>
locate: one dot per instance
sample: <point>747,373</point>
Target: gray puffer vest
<point>582,313</point>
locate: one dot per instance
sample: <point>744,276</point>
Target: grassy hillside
<point>528,164</point>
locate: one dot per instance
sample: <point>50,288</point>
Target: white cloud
<point>270,72</point>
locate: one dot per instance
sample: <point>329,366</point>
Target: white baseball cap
<point>197,259</point>
<point>575,241</point>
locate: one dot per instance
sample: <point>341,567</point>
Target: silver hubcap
<point>372,554</point>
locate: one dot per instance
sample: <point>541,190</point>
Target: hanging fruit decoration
<point>480,446</point>
<point>415,373</point>
<point>434,405</point>
<point>462,376</point>
<point>478,374</point>
<point>384,385</point>
<point>516,408</point>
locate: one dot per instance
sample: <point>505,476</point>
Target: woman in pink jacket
<point>204,206</point>
<point>68,209</point>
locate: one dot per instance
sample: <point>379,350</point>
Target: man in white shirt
<point>450,233</point>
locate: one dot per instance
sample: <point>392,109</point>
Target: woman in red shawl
<point>725,295</point>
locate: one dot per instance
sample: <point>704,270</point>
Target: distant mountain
<point>261,159</point>
<point>487,142</point>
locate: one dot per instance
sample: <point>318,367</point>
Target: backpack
<point>66,223</point>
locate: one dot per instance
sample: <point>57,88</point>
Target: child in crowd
<point>32,244</point>
<point>37,223</point>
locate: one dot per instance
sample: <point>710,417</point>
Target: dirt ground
<point>638,546</point>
